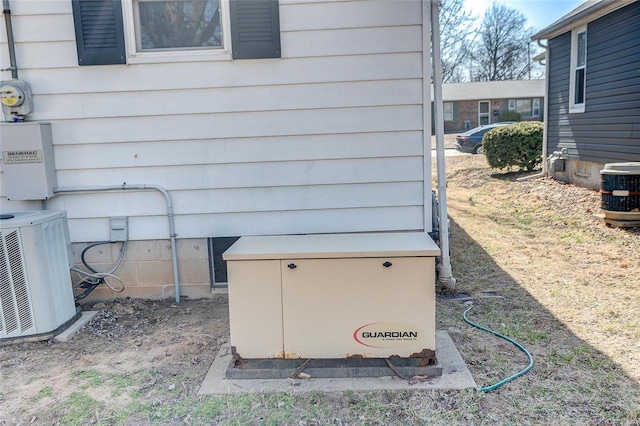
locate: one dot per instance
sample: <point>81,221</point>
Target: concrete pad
<point>455,375</point>
<point>74,328</point>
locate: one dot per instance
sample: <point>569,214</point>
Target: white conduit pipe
<point>444,274</point>
<point>545,168</point>
<point>13,67</point>
<point>143,186</point>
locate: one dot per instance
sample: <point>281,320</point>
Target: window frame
<point>482,115</point>
<point>577,107</point>
<point>521,102</point>
<point>535,107</point>
<point>448,115</point>
<point>534,102</point>
<point>135,56</point>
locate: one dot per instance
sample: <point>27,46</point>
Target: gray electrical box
<point>28,165</point>
<point>119,228</point>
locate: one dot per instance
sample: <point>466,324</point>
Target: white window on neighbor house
<point>525,107</point>
<point>536,107</point>
<point>158,28</point>
<point>484,113</point>
<point>448,111</point>
<point>578,77</point>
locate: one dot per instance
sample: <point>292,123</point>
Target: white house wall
<point>326,139</point>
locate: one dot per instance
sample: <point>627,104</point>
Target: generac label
<point>22,157</point>
<point>388,335</point>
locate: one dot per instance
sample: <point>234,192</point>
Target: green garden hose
<point>518,345</point>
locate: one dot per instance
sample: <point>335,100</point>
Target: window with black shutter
<point>99,32</point>
<point>172,25</point>
<point>255,29</point>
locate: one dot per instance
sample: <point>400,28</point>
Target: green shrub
<point>510,116</point>
<point>516,145</point>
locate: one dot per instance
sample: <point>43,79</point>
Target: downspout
<point>429,196</point>
<point>144,186</point>
<point>6,10</point>
<point>444,272</point>
<point>545,168</point>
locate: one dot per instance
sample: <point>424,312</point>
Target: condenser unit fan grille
<point>15,305</point>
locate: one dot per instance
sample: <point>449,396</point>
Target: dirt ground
<point>142,346</point>
<point>531,256</point>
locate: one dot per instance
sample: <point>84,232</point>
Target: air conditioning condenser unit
<point>36,294</point>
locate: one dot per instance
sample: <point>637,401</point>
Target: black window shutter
<point>255,29</point>
<point>99,32</point>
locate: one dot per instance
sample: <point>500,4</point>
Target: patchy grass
<point>78,409</point>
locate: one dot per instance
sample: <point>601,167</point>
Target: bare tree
<point>456,39</point>
<point>502,51</point>
<point>176,24</point>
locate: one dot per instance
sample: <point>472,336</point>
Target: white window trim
<point>573,107</point>
<point>482,114</point>
<point>512,104</point>
<point>529,102</point>
<point>535,108</point>
<point>446,118</point>
<point>144,57</point>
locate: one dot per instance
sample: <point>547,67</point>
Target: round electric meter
<point>12,96</point>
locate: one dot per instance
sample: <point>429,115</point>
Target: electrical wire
<point>98,279</point>
<point>518,345</point>
<point>91,280</point>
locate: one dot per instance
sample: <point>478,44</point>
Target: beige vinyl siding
<point>326,139</point>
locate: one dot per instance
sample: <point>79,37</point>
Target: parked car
<point>471,140</point>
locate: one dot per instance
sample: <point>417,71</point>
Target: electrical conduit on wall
<point>13,65</point>
<point>143,186</point>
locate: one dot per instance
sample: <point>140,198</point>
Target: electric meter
<point>12,96</point>
<point>15,96</point>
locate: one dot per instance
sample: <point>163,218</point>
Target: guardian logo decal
<point>388,335</point>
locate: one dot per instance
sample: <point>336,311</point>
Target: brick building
<point>468,105</point>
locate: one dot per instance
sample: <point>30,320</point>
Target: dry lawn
<point>531,258</point>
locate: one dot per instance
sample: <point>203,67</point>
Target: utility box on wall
<point>27,158</point>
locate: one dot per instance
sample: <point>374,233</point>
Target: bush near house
<point>510,116</point>
<point>517,145</point>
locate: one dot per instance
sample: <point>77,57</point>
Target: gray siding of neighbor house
<point>609,129</point>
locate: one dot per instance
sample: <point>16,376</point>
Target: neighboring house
<point>315,125</point>
<point>468,105</point>
<point>593,80</point>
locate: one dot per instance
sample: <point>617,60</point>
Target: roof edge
<point>585,13</point>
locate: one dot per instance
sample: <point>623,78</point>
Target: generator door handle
<point>292,266</point>
<point>387,264</point>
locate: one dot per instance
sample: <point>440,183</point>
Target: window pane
<point>579,89</point>
<point>523,107</point>
<point>484,107</point>
<point>582,49</point>
<point>484,120</point>
<point>448,111</point>
<point>179,24</point>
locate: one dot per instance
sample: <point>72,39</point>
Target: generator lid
<point>328,246</point>
<point>621,169</point>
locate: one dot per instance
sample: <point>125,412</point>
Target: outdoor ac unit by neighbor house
<point>36,295</point>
